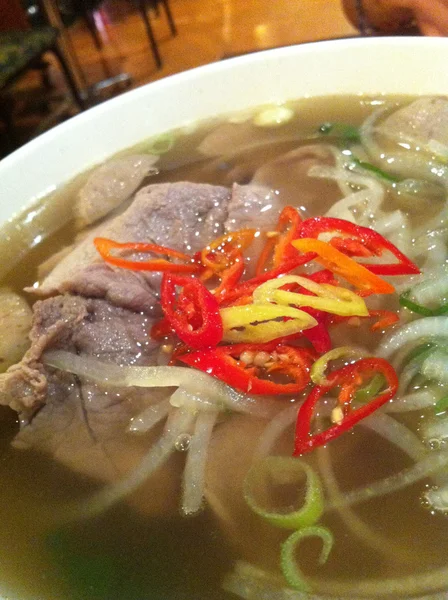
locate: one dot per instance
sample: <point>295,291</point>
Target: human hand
<point>431,16</point>
<point>396,16</point>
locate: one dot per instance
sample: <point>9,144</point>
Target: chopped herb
<point>441,405</point>
<point>161,144</point>
<point>349,133</point>
<point>372,389</point>
<point>375,170</point>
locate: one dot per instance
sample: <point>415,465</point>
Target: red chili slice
<point>106,246</point>
<point>193,313</point>
<point>354,239</point>
<point>224,363</point>
<point>349,379</point>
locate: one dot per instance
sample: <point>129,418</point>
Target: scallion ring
<point>283,471</point>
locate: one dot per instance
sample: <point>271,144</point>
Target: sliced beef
<point>288,175</point>
<point>81,325</point>
<point>127,289</point>
<point>84,428</point>
<point>227,139</point>
<point>252,206</point>
<point>420,123</point>
<point>111,184</point>
<point>105,313</point>
<point>184,216</point>
<point>80,424</point>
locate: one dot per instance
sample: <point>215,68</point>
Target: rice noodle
<point>183,398</point>
<point>404,163</point>
<point>395,226</point>
<point>437,498</point>
<point>418,400</point>
<point>397,434</point>
<point>402,283</point>
<point>430,464</point>
<point>407,374</point>
<point>437,254</point>
<point>438,223</point>
<point>419,330</point>
<point>435,430</point>
<point>366,534</point>
<point>252,583</point>
<point>272,432</point>
<point>194,472</point>
<point>147,419</point>
<point>391,222</point>
<point>433,288</point>
<point>192,380</point>
<point>371,197</point>
<point>341,165</point>
<point>435,367</point>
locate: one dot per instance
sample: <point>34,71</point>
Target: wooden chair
<point>143,6</point>
<point>22,48</point>
<point>87,7</point>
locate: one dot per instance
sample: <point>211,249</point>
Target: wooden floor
<point>208,30</point>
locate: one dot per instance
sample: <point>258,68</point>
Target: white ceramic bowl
<point>351,66</point>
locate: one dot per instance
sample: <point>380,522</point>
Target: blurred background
<point>58,57</point>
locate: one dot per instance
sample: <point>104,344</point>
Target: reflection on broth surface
<point>129,473</point>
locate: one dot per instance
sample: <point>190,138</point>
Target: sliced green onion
<point>349,133</point>
<point>291,571</point>
<point>372,389</point>
<point>441,405</point>
<point>276,471</point>
<point>318,369</point>
<point>420,352</point>
<point>419,308</point>
<point>375,170</point>
<point>161,144</point>
<point>415,331</point>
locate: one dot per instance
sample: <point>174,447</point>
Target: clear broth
<point>124,555</point>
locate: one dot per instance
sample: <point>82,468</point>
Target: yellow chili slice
<point>258,323</point>
<point>340,264</point>
<point>328,298</point>
<point>321,364</point>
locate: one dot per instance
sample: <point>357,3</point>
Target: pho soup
<point>224,363</point>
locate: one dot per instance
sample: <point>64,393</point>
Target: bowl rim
<point>46,144</point>
<point>38,145</point>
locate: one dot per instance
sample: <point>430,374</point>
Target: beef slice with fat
<point>84,326</point>
<point>110,184</point>
<point>288,175</point>
<point>183,216</point>
<point>420,123</point>
<point>80,424</point>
